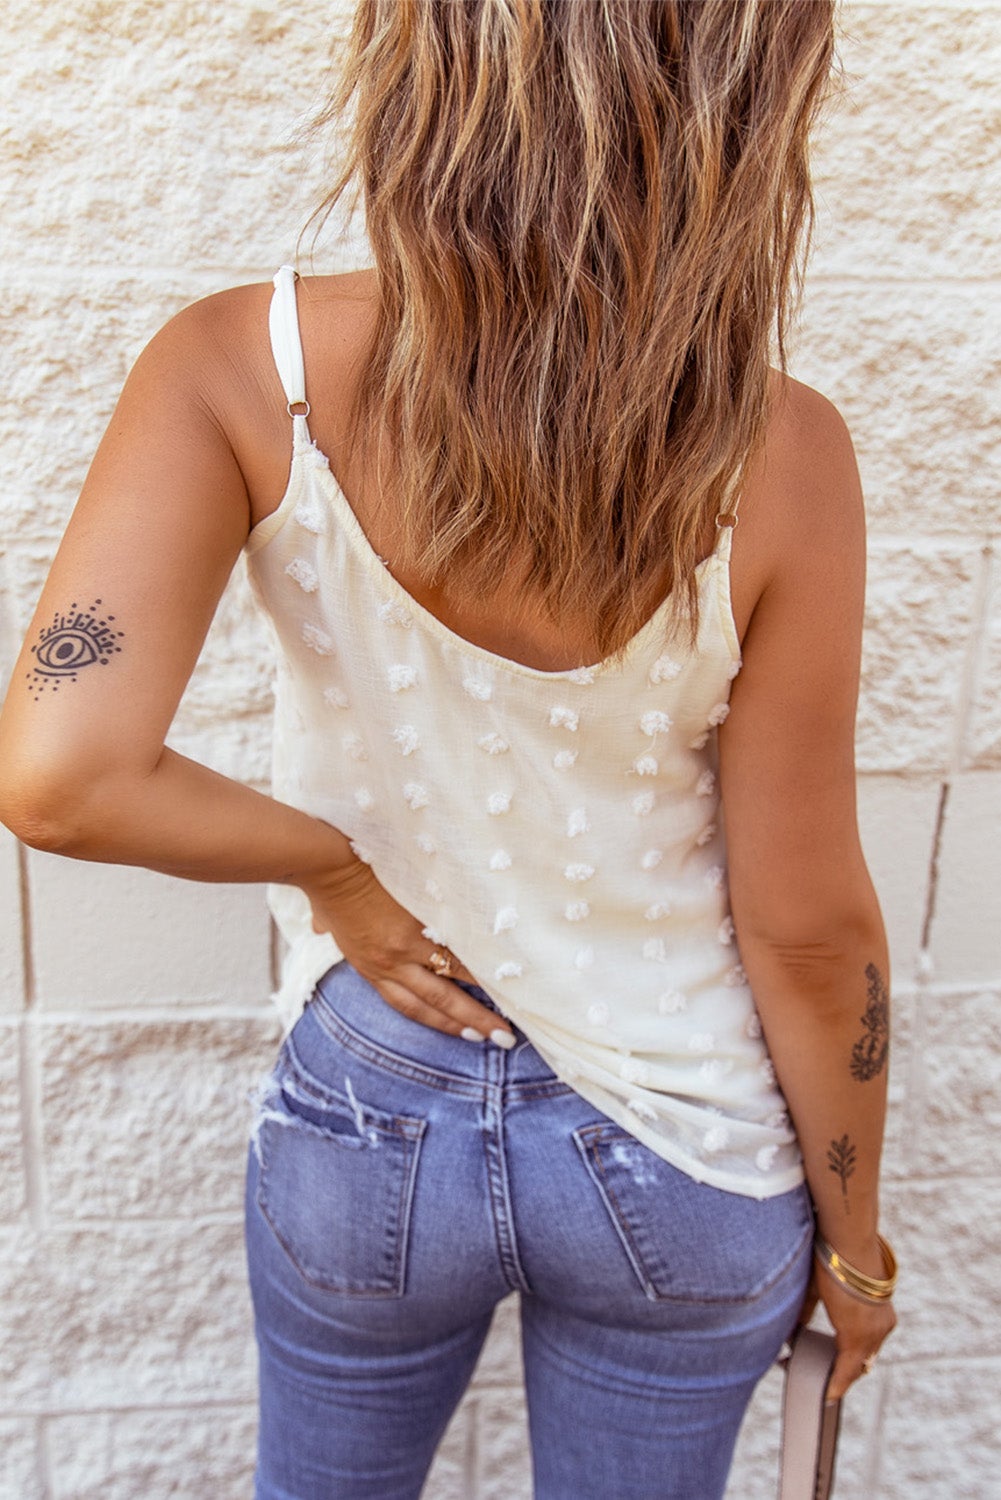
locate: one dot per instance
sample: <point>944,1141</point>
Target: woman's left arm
<point>808,923</point>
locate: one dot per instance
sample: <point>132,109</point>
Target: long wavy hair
<point>588,219</point>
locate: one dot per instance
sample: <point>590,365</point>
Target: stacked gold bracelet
<point>866,1288</point>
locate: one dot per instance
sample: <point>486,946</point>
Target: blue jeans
<point>401,1182</point>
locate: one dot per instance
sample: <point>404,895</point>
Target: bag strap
<point>810,1424</point>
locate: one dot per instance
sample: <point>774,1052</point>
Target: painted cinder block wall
<point>150,159</point>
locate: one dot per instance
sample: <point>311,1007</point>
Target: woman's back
<point>336,316</point>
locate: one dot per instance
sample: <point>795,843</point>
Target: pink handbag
<point>810,1423</point>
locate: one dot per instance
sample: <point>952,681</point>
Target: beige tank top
<point>558,830</point>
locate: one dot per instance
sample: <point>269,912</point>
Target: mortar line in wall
<point>43,1459</point>
<point>973,657</point>
<point>28,1066</point>
<point>29,1078</point>
<point>931,892</point>
<point>875,1465</point>
<point>24,897</point>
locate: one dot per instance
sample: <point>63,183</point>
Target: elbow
<point>810,939</point>
<point>48,818</point>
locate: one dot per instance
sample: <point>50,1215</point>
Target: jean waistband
<point>354,1011</point>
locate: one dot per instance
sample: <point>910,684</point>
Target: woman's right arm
<point>807,920</point>
<point>84,768</point>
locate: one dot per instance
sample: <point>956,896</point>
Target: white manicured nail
<point>471,1035</point>
<point>502,1038</point>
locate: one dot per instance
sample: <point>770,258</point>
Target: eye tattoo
<point>841,1160</point>
<point>72,641</point>
<point>869,1052</point>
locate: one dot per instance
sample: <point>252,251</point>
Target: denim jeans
<point>401,1182</point>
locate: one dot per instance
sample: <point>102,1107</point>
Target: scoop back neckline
<point>430,621</point>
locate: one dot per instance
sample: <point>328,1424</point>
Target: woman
<point>549,1025</point>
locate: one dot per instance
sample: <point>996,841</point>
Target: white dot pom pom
<point>401,676</point>
<point>311,515</point>
<point>655,949</point>
<point>634,1071</point>
<point>719,713</point>
<point>577,822</point>
<point>578,871</point>
<point>564,759</point>
<point>657,910</point>
<point>725,930</point>
<point>361,851</point>
<point>500,860</point>
<point>493,744</point>
<point>498,802</point>
<point>700,741</point>
<point>415,795</point>
<point>642,804</point>
<point>317,640</point>
<point>505,919</point>
<point>597,1014</point>
<point>304,574</point>
<point>715,1139</point>
<point>336,697</point>
<point>364,798</point>
<point>576,911</point>
<point>651,859</point>
<point>407,738</point>
<point>655,721</point>
<point>584,957</point>
<point>581,675</point>
<point>645,765</point>
<point>643,1109</point>
<point>478,688</point>
<point>763,1160</point>
<point>394,613</point>
<point>508,970</point>
<point>701,1041</point>
<point>672,1002</point>
<point>664,669</point>
<point>563,718</point>
<point>355,746</point>
<point>425,843</point>
<point>434,890</point>
<point>706,784</point>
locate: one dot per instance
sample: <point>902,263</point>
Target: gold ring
<point>440,961</point>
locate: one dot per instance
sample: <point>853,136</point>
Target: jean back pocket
<point>336,1183</point>
<point>686,1240</point>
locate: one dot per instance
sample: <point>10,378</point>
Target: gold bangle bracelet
<point>868,1288</point>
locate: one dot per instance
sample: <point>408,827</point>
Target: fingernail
<point>502,1038</point>
<point>471,1035</point>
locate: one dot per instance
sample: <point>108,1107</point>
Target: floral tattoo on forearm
<point>870,1051</point>
<point>73,641</point>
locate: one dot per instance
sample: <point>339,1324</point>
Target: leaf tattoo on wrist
<point>841,1161</point>
<point>870,1051</point>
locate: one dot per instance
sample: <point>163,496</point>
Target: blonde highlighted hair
<point>588,218</point>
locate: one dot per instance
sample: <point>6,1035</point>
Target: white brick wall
<point>150,160</point>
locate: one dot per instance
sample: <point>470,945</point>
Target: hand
<point>385,944</point>
<point>859,1327</point>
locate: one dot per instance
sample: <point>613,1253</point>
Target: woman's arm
<point>807,919</point>
<point>160,522</point>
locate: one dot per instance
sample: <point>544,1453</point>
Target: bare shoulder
<point>223,339</point>
<point>801,503</point>
<point>811,459</point>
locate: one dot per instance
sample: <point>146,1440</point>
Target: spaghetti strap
<point>286,342</point>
